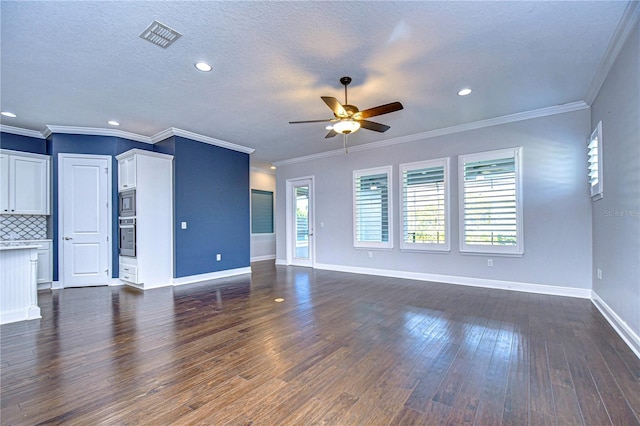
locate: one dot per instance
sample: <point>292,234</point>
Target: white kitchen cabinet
<point>45,271</point>
<point>152,265</point>
<point>127,173</point>
<point>24,186</point>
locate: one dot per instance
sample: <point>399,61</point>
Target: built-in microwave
<point>127,203</point>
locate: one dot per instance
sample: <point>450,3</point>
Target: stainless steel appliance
<point>127,230</point>
<point>127,203</point>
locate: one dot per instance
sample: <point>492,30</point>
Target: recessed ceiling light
<point>8,114</point>
<point>329,127</point>
<point>272,167</point>
<point>464,92</point>
<point>203,66</point>
<point>113,123</point>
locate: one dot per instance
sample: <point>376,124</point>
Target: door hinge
<point>107,238</point>
<point>106,170</point>
<point>106,271</point>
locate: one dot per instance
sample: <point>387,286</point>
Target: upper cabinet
<point>126,172</point>
<point>24,186</point>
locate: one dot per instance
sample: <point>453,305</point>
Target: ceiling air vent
<point>160,35</point>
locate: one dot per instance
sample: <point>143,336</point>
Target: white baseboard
<point>56,285</point>
<point>261,258</point>
<point>211,276</point>
<point>28,313</point>
<point>281,262</point>
<point>582,293</point>
<point>629,336</point>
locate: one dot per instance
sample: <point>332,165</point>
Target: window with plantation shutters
<point>371,204</point>
<point>490,202</point>
<point>261,212</point>
<point>425,205</point>
<point>595,163</point>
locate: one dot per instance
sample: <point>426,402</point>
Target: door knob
<point>68,238</point>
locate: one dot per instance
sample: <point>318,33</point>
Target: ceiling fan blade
<point>331,134</point>
<point>335,106</point>
<point>311,121</point>
<point>376,127</point>
<point>379,110</point>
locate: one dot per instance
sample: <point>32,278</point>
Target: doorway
<point>300,222</point>
<point>84,219</point>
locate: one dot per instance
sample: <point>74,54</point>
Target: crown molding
<point>511,118</point>
<point>172,131</point>
<point>98,131</point>
<point>628,21</point>
<point>22,132</point>
<point>95,131</point>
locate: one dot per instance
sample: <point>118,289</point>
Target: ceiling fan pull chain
<point>344,142</point>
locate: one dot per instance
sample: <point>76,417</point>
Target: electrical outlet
<point>489,262</point>
<point>218,257</point>
<point>370,254</point>
<point>183,225</point>
<point>599,272</point>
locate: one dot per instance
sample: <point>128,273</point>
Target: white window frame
<point>594,145</point>
<point>511,250</point>
<point>411,246</point>
<point>374,244</point>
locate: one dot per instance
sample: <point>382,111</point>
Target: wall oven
<point>127,231</point>
<point>127,203</point>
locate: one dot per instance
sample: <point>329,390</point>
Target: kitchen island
<point>18,282</point>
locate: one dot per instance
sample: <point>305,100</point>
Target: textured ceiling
<point>83,63</point>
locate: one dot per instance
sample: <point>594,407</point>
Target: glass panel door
<point>301,250</point>
<point>300,243</point>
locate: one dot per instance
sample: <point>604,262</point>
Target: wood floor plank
<point>343,349</point>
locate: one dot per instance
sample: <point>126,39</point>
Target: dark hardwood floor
<point>342,349</point>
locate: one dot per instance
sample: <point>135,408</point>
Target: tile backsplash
<point>23,227</point>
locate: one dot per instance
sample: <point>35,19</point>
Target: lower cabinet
<point>45,270</point>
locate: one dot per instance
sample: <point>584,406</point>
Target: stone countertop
<point>44,240</point>
<point>18,245</point>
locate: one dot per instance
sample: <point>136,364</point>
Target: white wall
<point>263,246</point>
<point>616,217</point>
<point>557,210</point>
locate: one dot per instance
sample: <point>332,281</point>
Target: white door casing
<point>84,218</point>
<point>300,242</point>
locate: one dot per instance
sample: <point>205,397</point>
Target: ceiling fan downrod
<point>345,81</point>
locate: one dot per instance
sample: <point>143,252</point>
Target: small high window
<point>595,163</point>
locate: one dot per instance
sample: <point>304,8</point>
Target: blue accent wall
<point>23,143</point>
<point>210,192</point>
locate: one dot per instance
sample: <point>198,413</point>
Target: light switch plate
<point>183,225</point>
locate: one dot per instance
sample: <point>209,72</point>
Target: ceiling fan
<point>348,118</point>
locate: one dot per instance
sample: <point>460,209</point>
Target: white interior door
<point>84,193</point>
<point>300,222</point>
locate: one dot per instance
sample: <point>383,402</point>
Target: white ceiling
<point>83,63</point>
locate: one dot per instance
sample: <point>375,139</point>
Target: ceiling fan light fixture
<point>346,127</point>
